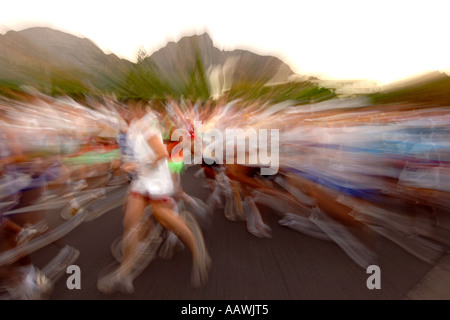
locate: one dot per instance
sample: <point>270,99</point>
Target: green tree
<point>197,86</point>
<point>145,80</point>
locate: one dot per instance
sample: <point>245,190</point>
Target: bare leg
<point>177,224</point>
<point>122,278</point>
<point>131,223</point>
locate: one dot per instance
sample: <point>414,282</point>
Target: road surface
<point>289,266</point>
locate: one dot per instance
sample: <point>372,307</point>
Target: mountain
<point>176,60</point>
<point>45,57</point>
<point>48,58</point>
<point>21,59</point>
<point>79,53</point>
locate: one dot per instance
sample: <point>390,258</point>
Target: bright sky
<point>383,40</point>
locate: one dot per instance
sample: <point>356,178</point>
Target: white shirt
<point>154,180</point>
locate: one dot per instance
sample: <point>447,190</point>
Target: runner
<point>153,185</point>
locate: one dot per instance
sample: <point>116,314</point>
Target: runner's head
<point>138,107</point>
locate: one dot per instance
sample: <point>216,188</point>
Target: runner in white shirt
<point>152,185</point>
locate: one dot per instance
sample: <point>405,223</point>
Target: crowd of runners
<point>346,171</point>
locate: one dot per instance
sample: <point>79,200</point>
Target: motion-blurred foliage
<point>432,91</point>
<point>300,92</point>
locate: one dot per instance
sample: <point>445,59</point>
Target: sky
<point>382,40</point>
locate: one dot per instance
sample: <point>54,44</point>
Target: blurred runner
<point>153,185</point>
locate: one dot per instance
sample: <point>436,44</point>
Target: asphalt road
<point>289,266</point>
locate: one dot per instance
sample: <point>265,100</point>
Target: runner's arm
<point>159,149</point>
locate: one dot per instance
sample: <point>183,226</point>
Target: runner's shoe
<point>114,282</point>
<point>31,231</point>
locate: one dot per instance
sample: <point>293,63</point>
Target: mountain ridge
<point>38,54</point>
